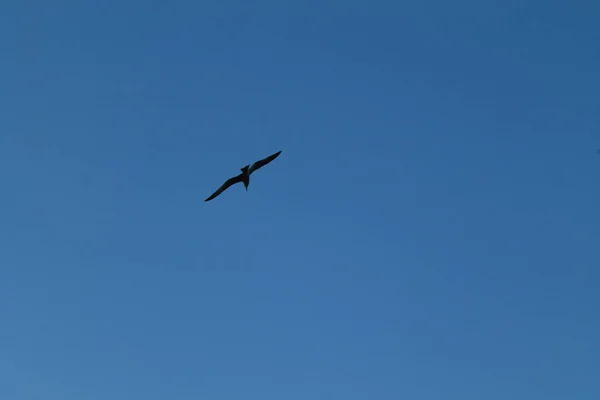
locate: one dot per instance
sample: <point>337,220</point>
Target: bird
<point>244,177</point>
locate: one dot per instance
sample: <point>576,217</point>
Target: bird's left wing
<point>263,162</point>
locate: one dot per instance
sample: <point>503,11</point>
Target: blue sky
<point>430,231</point>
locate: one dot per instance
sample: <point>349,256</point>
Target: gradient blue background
<point>430,231</point>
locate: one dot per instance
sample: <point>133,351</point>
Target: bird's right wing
<point>227,183</point>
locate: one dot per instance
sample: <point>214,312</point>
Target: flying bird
<point>244,177</point>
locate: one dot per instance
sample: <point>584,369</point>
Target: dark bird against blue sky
<point>244,177</point>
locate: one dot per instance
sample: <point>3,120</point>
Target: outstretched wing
<point>227,183</point>
<point>263,162</point>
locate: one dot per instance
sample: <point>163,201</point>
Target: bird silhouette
<point>244,177</point>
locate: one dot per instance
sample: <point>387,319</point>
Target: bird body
<point>244,177</point>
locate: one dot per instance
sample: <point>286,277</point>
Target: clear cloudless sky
<point>430,231</point>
